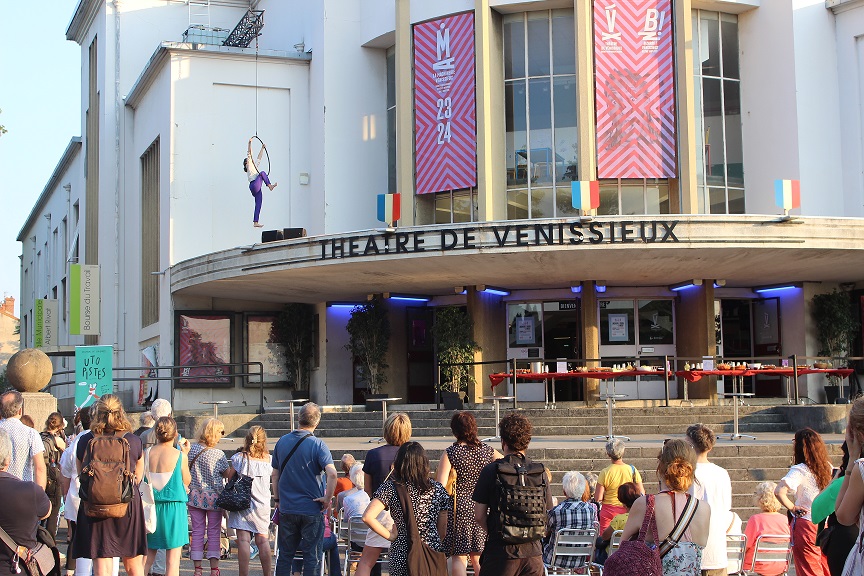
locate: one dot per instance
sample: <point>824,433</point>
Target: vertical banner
<point>635,89</point>
<point>445,116</point>
<point>45,322</point>
<point>84,296</point>
<point>94,370</point>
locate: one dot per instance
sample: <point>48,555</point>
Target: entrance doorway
<point>421,358</point>
<point>748,328</point>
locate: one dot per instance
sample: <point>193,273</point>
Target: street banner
<point>389,208</point>
<point>634,89</point>
<point>445,116</point>
<point>45,320</point>
<point>787,194</point>
<point>94,371</point>
<point>84,296</point>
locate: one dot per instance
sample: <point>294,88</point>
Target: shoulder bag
<point>422,559</point>
<point>275,518</point>
<point>41,560</point>
<point>148,501</point>
<point>237,494</point>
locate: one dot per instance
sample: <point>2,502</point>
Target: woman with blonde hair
<point>102,539</point>
<point>253,460</point>
<point>676,470</point>
<point>850,499</point>
<point>167,472</point>
<point>209,468</point>
<point>376,469</point>
<point>768,521</point>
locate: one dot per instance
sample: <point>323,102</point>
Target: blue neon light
<point>342,305</point>
<point>496,292</point>
<point>685,287</point>
<point>761,290</point>
<point>601,289</point>
<point>576,289</point>
<point>410,298</point>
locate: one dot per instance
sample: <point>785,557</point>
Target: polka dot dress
<point>464,536</point>
<point>427,507</point>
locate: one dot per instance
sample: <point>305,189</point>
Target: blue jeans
<point>300,532</point>
<point>329,545</point>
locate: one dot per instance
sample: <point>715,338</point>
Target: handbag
<point>237,494</point>
<point>148,500</point>
<point>422,560</point>
<point>41,560</point>
<point>635,557</point>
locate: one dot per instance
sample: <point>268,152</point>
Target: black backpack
<point>521,491</point>
<point>52,462</point>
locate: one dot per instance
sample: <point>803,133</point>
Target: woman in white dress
<point>253,460</point>
<point>850,499</point>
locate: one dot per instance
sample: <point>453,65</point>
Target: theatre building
<point>623,181</point>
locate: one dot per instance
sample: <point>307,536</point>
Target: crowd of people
<point>493,511</point>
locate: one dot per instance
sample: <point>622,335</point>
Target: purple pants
<point>213,521</point>
<point>255,188</point>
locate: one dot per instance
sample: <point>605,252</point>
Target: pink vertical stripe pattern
<point>445,118</point>
<point>635,89</point>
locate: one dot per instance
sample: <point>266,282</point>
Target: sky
<point>40,99</point>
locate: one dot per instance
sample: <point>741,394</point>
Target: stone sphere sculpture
<point>29,370</point>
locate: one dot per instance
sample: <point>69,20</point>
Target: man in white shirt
<point>715,487</point>
<point>27,462</point>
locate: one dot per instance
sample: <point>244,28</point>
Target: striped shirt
<point>573,514</point>
<point>26,443</point>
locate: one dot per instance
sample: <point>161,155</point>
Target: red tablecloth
<point>694,375</point>
<point>500,377</point>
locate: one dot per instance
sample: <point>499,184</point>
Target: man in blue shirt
<point>299,460</point>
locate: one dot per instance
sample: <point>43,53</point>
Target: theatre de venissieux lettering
<point>572,233</point>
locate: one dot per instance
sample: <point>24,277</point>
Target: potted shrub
<point>293,328</point>
<point>454,345</point>
<point>368,341</point>
<point>836,327</point>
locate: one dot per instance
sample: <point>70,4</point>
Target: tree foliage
<point>368,342</point>
<point>294,329</point>
<point>454,344</point>
<point>836,323</point>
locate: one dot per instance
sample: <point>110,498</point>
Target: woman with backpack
<point>209,468</point>
<point>121,532</point>
<point>55,443</point>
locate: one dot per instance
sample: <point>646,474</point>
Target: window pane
<point>736,201</point>
<point>616,322</point>
<point>701,195</point>
<point>729,30</point>
<point>524,323</point>
<point>391,78</point>
<point>541,203</point>
<point>657,197</point>
<point>566,135</point>
<point>608,198</point>
<point>655,322</point>
<point>514,46</point>
<point>734,151</point>
<point>701,147</point>
<point>517,204</point>
<point>538,43</point>
<point>540,156</point>
<point>391,151</point>
<point>718,200</point>
<point>709,43</point>
<point>713,122</point>
<point>563,42</point>
<point>461,207</point>
<point>564,201</point>
<point>442,208</point>
<point>632,200</point>
<point>515,134</point>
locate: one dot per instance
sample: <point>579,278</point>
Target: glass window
<point>617,322</point>
<point>719,148</point>
<point>541,135</point>
<point>524,323</point>
<point>260,347</point>
<point>655,322</point>
<point>455,206</point>
<point>634,196</point>
<point>391,121</point>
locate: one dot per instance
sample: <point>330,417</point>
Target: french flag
<point>586,194</point>
<point>787,194</point>
<point>389,208</point>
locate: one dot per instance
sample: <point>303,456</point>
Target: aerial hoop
<point>265,167</point>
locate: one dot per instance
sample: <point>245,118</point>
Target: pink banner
<point>445,120</point>
<point>635,89</point>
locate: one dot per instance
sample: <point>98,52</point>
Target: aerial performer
<point>257,178</point>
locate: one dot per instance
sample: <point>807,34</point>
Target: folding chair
<point>357,530</point>
<point>572,543</point>
<point>736,544</point>
<point>615,541</point>
<point>299,556</point>
<point>771,548</point>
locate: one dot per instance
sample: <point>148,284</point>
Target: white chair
<point>572,543</point>
<point>357,530</point>
<point>775,548</point>
<point>736,544</point>
<point>615,542</point>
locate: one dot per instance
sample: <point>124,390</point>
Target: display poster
<point>84,295</point>
<point>524,330</point>
<point>619,329</point>
<point>260,347</point>
<point>94,373</point>
<point>45,314</point>
<point>204,344</point>
<point>445,117</point>
<point>148,392</point>
<point>634,89</point>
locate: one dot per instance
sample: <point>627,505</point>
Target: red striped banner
<point>445,119</point>
<point>635,89</point>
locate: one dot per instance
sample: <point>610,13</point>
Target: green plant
<point>836,323</point>
<point>454,344</point>
<point>368,341</point>
<point>293,328</point>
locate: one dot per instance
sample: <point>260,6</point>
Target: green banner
<point>84,297</point>
<point>93,374</point>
